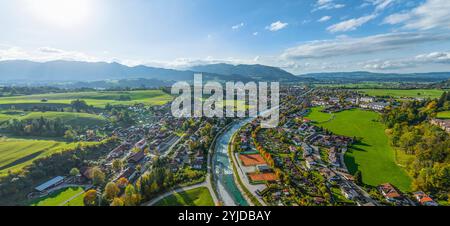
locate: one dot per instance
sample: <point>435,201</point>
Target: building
<point>141,144</point>
<point>378,106</point>
<point>424,199</point>
<point>366,99</point>
<point>348,192</point>
<point>136,157</point>
<point>390,193</point>
<point>50,184</point>
<point>443,123</point>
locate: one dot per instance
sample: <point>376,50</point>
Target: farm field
<point>195,197</point>
<point>423,93</point>
<point>373,155</point>
<point>440,115</point>
<point>18,153</point>
<point>60,197</point>
<point>97,99</point>
<point>70,118</point>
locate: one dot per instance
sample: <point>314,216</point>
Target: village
<point>301,163</point>
<point>297,163</point>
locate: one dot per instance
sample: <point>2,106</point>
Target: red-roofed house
<point>424,199</point>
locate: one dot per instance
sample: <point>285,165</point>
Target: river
<point>227,189</point>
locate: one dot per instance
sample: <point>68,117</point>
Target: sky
<point>302,36</point>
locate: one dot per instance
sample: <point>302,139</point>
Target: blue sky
<point>299,36</point>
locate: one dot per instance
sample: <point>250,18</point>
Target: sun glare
<point>63,13</point>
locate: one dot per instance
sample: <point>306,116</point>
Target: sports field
<point>252,160</point>
<point>373,155</point>
<point>97,99</point>
<point>62,197</point>
<point>18,153</point>
<point>195,197</point>
<point>261,177</point>
<point>423,93</point>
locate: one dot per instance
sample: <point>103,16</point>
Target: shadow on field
<point>22,160</point>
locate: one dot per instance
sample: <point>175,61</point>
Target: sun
<point>62,13</point>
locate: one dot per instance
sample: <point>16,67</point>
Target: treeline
<point>429,145</point>
<point>159,179</point>
<point>15,186</point>
<point>28,90</point>
<point>37,127</point>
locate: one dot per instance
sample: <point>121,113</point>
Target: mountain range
<point>106,75</point>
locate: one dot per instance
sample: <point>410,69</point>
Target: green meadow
<point>97,99</point>
<point>69,118</point>
<point>373,156</point>
<point>18,153</point>
<point>195,197</point>
<point>443,115</point>
<point>62,197</point>
<point>423,93</point>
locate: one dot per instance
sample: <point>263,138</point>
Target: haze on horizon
<point>298,36</point>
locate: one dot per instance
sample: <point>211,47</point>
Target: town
<point>144,154</point>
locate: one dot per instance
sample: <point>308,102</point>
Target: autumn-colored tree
<point>111,191</point>
<point>122,182</point>
<point>117,202</point>
<point>90,197</point>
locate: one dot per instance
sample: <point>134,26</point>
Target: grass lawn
<point>373,155</point>
<point>440,115</point>
<point>18,153</point>
<point>97,99</point>
<point>58,198</point>
<point>318,116</point>
<point>195,197</point>
<point>424,93</point>
<point>77,201</point>
<point>4,118</point>
<point>69,118</point>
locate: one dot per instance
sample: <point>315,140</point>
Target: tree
<point>74,172</point>
<point>117,202</point>
<point>90,197</point>
<point>98,177</point>
<point>131,197</point>
<point>70,135</point>
<point>122,182</point>
<point>117,165</point>
<point>358,178</point>
<point>111,191</point>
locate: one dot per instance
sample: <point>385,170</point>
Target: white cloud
<point>327,4</point>
<point>276,26</point>
<point>255,33</point>
<point>435,57</point>
<point>351,24</point>
<point>238,26</point>
<point>431,14</point>
<point>324,18</point>
<point>44,54</point>
<point>397,18</point>
<point>343,46</point>
<point>386,64</point>
<point>381,4</point>
<point>186,63</point>
<point>409,62</point>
